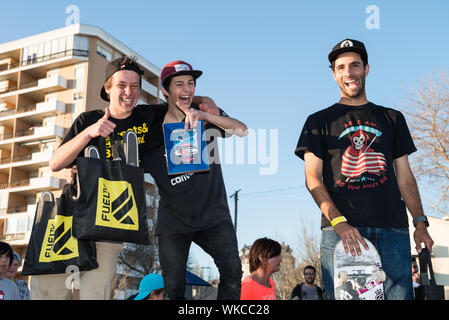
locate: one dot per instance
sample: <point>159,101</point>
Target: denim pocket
<point>401,231</point>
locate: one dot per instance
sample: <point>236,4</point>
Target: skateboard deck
<point>131,146</point>
<point>359,277</point>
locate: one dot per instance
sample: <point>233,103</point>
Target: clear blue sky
<point>265,63</point>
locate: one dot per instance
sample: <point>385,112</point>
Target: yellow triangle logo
<point>116,205</point>
<point>59,244</point>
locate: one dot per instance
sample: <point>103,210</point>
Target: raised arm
<point>228,124</point>
<point>314,183</point>
<point>67,152</point>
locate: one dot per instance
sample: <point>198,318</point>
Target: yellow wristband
<point>338,220</point>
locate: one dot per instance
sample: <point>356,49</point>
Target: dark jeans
<point>219,241</point>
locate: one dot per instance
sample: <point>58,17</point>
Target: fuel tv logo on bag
<point>59,244</point>
<point>116,205</point>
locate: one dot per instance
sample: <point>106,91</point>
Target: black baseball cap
<point>119,65</point>
<point>349,45</point>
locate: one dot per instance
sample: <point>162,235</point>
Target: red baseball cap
<point>178,68</point>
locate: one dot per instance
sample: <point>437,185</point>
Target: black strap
<point>425,264</point>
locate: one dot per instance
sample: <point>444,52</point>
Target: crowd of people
<point>356,165</point>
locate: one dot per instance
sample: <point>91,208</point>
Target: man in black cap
<point>357,170</point>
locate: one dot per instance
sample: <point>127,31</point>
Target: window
<point>52,73</point>
<point>51,97</point>
<point>45,172</point>
<point>79,78</point>
<point>30,222</point>
<point>79,72</point>
<point>16,224</point>
<point>49,122</point>
<point>104,51</point>
<point>78,95</point>
<point>54,46</point>
<point>4,85</point>
<point>81,43</point>
<point>47,146</point>
<point>11,225</point>
<point>47,48</point>
<point>3,198</point>
<point>61,45</point>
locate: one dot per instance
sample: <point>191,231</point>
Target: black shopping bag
<point>111,204</point>
<point>428,290</point>
<point>52,247</point>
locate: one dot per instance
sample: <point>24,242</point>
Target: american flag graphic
<point>355,163</point>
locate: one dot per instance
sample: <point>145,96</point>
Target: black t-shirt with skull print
<point>358,145</point>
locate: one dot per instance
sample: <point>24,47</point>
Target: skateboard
<point>131,146</point>
<point>359,277</point>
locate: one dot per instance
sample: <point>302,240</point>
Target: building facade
<point>46,81</point>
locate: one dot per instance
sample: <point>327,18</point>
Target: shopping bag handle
<point>130,139</point>
<point>425,264</point>
<point>47,196</point>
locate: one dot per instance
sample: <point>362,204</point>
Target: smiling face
<point>349,73</point>
<point>124,91</point>
<point>181,91</point>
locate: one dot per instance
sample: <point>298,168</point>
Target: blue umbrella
<point>193,280</point>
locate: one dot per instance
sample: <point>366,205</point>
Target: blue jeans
<point>393,246</point>
<point>219,241</point>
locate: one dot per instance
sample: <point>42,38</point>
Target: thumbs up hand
<point>103,127</point>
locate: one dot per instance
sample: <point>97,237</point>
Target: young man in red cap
<point>95,128</point>
<point>193,207</point>
<point>357,170</point>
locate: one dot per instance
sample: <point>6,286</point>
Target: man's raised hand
<point>103,127</point>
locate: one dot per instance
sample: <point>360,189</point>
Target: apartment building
<point>46,81</point>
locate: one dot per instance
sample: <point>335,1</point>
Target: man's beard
<point>310,281</point>
<point>357,94</point>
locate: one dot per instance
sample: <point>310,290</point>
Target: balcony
<point>31,161</point>
<point>7,86</point>
<point>8,64</point>
<point>36,90</point>
<point>31,186</point>
<point>36,111</point>
<point>57,59</point>
<point>32,134</point>
<point>18,225</point>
